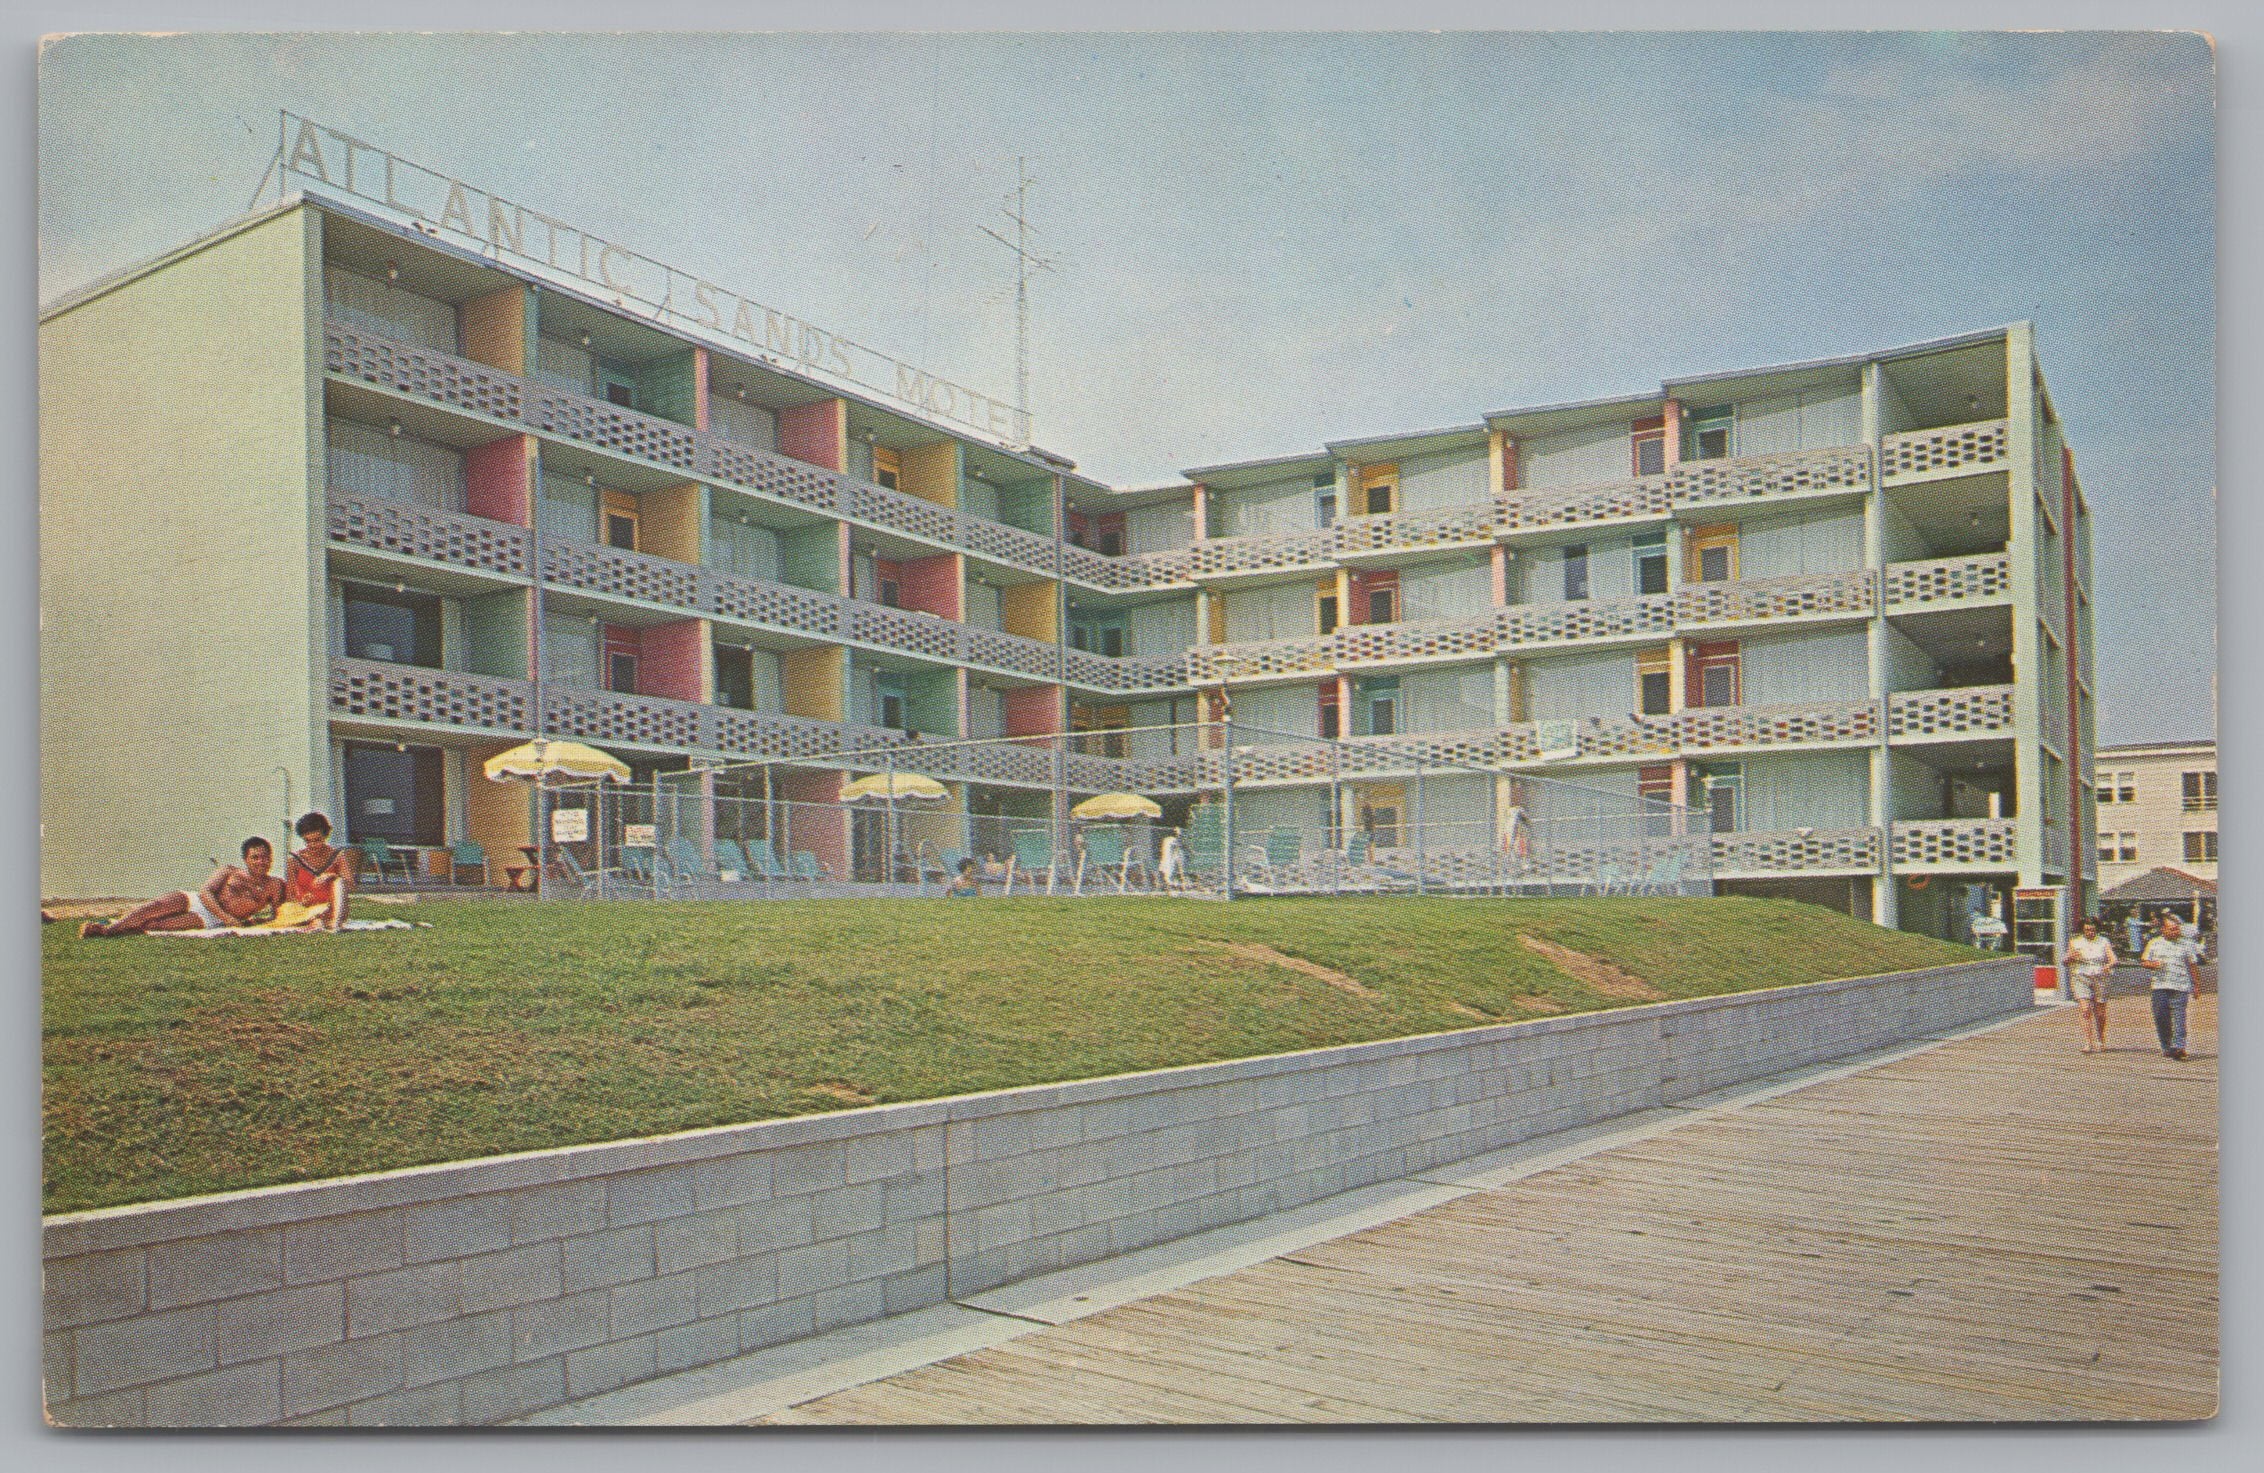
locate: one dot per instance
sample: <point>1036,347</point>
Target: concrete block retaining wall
<point>477,1291</point>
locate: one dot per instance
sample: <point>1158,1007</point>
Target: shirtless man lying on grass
<point>230,898</point>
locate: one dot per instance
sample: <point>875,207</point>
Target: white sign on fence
<point>1556,739</point>
<point>638,835</point>
<point>569,825</point>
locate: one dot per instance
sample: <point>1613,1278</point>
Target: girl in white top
<point>2093,958</point>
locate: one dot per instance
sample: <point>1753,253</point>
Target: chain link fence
<point>1230,810</point>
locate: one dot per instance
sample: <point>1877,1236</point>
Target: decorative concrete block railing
<point>1769,726</point>
<point>1943,451</point>
<point>1560,506</point>
<point>403,527</point>
<point>1794,851</point>
<point>1451,526</point>
<point>1261,659</point>
<point>1948,580</point>
<point>479,1291</point>
<point>1793,473</point>
<point>1802,596</point>
<point>1521,626</point>
<point>1262,552</point>
<point>1971,710</point>
<point>1416,639</point>
<point>386,692</point>
<point>1955,843</point>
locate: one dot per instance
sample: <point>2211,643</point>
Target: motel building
<point>311,484</point>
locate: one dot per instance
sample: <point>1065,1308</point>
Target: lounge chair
<point>804,865</point>
<point>381,857</point>
<point>691,868</point>
<point>1033,851</point>
<point>466,856</point>
<point>646,871</point>
<point>1105,849</point>
<point>594,883</point>
<point>762,862</point>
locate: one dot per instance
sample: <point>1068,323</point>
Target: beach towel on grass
<point>386,925</point>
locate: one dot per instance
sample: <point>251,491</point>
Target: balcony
<point>410,530</point>
<point>1452,526</point>
<point>1803,596</point>
<point>1263,552</point>
<point>1270,659</point>
<point>1948,450</point>
<point>1707,483</point>
<point>1955,843</point>
<point>1420,639</point>
<point>1961,711</point>
<point>1521,626</point>
<point>1711,728</point>
<point>1607,501</point>
<point>1948,582</point>
<point>1796,851</point>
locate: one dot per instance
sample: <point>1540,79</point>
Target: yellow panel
<point>495,329</point>
<point>1677,697</point>
<point>1375,476</point>
<point>812,682</point>
<point>931,472</point>
<point>1029,610</point>
<point>670,525</point>
<point>1714,534</point>
<point>495,814</point>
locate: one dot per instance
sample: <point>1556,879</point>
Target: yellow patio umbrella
<point>895,786</point>
<point>545,760</point>
<point>1117,805</point>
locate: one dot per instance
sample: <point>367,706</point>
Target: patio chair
<point>804,864</point>
<point>1105,849</point>
<point>1613,877</point>
<point>1033,851</point>
<point>762,862</point>
<point>466,856</point>
<point>646,870</point>
<point>382,858</point>
<point>691,868</point>
<point>593,882</point>
<point>1285,851</point>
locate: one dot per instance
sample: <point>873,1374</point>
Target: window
<point>2200,792</point>
<point>1331,725</point>
<point>888,471</point>
<point>2201,848</point>
<point>1324,501</point>
<point>399,628</point>
<point>1383,604</point>
<point>620,521</point>
<point>1649,451</point>
<point>1717,685</point>
<point>1708,437</point>
<point>734,677</point>
<point>1112,541</point>
<point>2118,848</point>
<point>891,592</point>
<point>1651,563</point>
<point>1722,787</point>
<point>1713,553</point>
<point>889,702</point>
<point>1576,571</point>
<point>1380,699</point>
<point>1657,694</point>
<point>1379,489</point>
<point>1325,612</point>
<point>617,383</point>
<point>621,672</point>
<point>395,795</point>
<point>2126,787</point>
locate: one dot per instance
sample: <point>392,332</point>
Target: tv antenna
<point>1016,209</point>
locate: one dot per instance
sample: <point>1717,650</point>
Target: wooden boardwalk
<point>1998,1228</point>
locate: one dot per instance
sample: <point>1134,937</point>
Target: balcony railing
<point>1972,710</point>
<point>1522,625</point>
<point>442,697</point>
<point>1261,659</point>
<point>1746,477</point>
<point>404,527</point>
<point>1807,595</point>
<point>1263,552</point>
<point>1952,843</point>
<point>1443,527</point>
<point>1708,727</point>
<point>1420,639</point>
<point>1944,450</point>
<point>1797,851</point>
<point>1558,506</point>
<point>1948,580</point>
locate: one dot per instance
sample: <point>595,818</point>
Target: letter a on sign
<point>308,147</point>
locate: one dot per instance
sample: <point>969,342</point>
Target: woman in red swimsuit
<point>317,874</point>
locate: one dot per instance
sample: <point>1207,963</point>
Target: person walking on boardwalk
<point>2092,956</point>
<point>2171,958</point>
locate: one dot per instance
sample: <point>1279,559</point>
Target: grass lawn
<point>174,1068</point>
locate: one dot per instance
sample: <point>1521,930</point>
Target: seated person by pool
<point>231,896</point>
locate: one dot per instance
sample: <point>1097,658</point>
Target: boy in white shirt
<point>2171,958</point>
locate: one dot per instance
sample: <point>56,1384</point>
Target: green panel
<point>667,387</point>
<point>1028,506</point>
<point>931,702</point>
<point>495,635</point>
<point>183,657</point>
<point>811,558</point>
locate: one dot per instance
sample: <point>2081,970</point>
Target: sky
<point>1267,241</point>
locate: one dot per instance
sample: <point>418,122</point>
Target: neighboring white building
<point>2157,810</point>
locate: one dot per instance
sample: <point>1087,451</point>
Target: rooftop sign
<point>328,161</point>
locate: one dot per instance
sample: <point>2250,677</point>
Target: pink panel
<point>495,480</point>
<point>674,662</point>
<point>699,388</point>
<point>817,433</point>
<point>823,832</point>
<point>932,585</point>
<point>1033,710</point>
